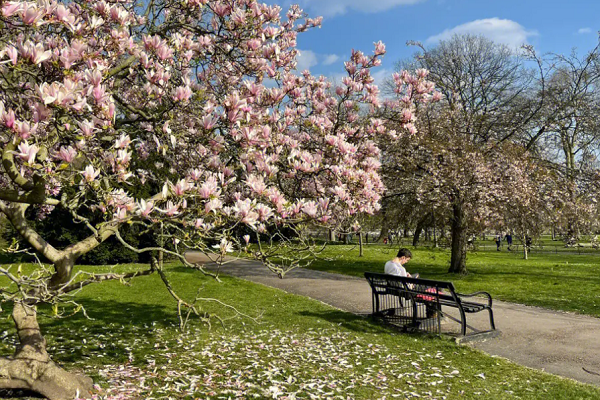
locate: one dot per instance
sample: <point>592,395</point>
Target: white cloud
<point>584,30</point>
<point>329,8</point>
<point>306,59</point>
<point>503,31</point>
<point>330,59</point>
<point>380,75</point>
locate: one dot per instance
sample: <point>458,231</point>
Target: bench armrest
<point>486,294</point>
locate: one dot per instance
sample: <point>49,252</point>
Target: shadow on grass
<point>353,322</point>
<point>367,324</point>
<point>19,394</point>
<point>112,328</point>
<point>118,312</point>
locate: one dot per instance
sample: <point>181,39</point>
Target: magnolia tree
<point>531,196</point>
<point>489,98</point>
<point>446,172</point>
<point>186,118</point>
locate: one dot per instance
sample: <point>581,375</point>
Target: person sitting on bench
<point>396,265</point>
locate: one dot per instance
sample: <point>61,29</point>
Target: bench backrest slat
<point>383,283</point>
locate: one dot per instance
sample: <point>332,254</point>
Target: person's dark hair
<point>403,252</point>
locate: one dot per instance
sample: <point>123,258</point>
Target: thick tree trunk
<point>63,269</point>
<point>421,224</point>
<point>331,235</point>
<point>458,228</point>
<point>30,368</point>
<point>417,234</point>
<point>385,230</point>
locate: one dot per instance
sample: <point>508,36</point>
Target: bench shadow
<point>358,323</point>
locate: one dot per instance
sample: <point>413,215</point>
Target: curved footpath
<point>561,343</point>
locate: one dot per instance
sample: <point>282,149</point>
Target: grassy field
<point>543,244</point>
<point>563,281</point>
<point>298,349</point>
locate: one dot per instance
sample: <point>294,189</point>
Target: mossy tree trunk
<point>31,368</point>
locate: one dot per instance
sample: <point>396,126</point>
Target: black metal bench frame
<point>396,299</point>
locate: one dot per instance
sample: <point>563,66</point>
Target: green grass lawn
<point>563,281</point>
<point>543,244</point>
<point>300,349</point>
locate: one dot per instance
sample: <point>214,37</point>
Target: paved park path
<point>561,343</point>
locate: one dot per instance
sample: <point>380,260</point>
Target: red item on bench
<point>429,298</point>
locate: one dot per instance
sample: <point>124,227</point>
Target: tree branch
<point>8,162</point>
<point>69,287</point>
<point>16,215</point>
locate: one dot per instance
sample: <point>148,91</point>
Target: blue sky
<point>549,25</point>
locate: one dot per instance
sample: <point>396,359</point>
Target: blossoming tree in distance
<point>186,118</point>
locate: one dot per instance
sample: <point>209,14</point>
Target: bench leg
<point>414,312</point>
<point>492,319</point>
<point>463,321</point>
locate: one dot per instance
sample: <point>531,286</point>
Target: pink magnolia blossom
<point>379,48</point>
<point>123,156</point>
<point>310,209</point>
<point>208,188</point>
<point>90,174</point>
<point>213,205</point>
<point>27,152</point>
<point>12,54</point>
<point>145,208</point>
<point>182,93</point>
<point>170,210</point>
<point>12,7</point>
<point>67,154</point>
<point>23,129</point>
<point>256,183</point>
<point>245,213</point>
<point>181,187</point>
<point>208,122</point>
<point>195,174</point>
<point>121,213</point>
<point>264,212</point>
<point>87,127</point>
<point>122,142</point>
<point>225,246</point>
<point>9,118</point>
<point>35,53</point>
<point>31,14</point>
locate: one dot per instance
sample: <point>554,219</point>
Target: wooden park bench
<point>417,304</point>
